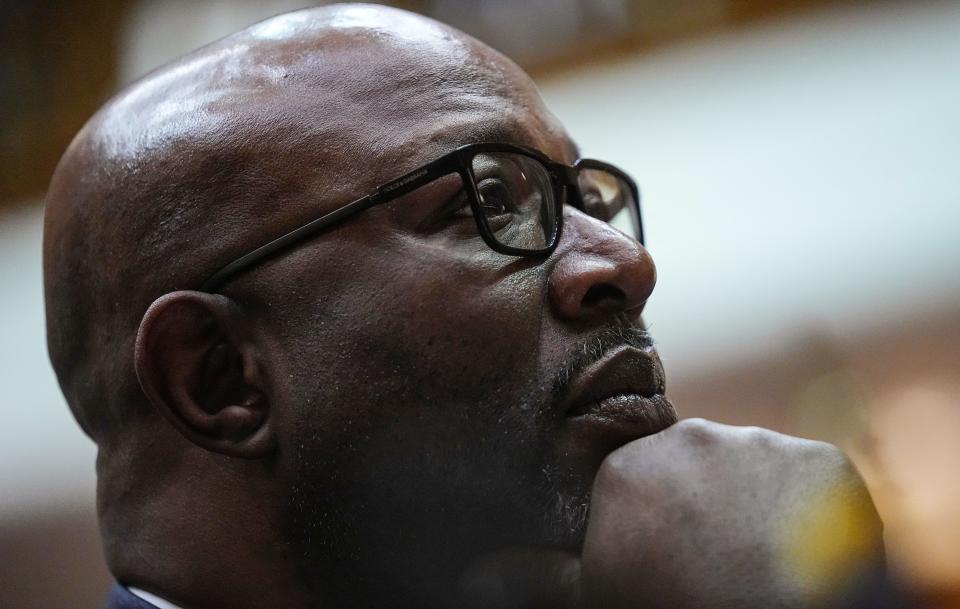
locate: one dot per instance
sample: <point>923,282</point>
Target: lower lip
<point>618,419</point>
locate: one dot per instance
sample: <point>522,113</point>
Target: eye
<point>460,212</point>
<point>460,206</point>
<point>495,198</point>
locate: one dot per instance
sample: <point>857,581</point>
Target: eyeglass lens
<point>518,201</point>
<point>608,197</point>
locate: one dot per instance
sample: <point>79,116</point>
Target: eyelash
<point>460,203</point>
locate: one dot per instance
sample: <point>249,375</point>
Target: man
<point>352,326</point>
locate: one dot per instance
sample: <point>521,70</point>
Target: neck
<point>214,544</point>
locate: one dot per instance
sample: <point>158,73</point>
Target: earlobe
<point>197,364</point>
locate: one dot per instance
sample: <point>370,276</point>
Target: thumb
<point>522,578</point>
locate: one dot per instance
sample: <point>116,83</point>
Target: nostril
<point>603,293</point>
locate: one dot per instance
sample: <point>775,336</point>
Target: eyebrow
<point>511,132</point>
<point>508,132</point>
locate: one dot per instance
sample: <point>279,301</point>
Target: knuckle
<point>761,437</point>
<point>835,464</point>
<point>613,473</point>
<point>698,432</point>
<point>828,455</point>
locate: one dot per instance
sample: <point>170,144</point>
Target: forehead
<point>395,99</point>
<point>324,88</point>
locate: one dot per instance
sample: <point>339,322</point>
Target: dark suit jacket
<point>121,598</point>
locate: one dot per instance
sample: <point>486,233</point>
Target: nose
<point>598,271</point>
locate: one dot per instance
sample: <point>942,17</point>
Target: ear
<point>198,366</point>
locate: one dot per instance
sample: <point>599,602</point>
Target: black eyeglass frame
<point>564,179</point>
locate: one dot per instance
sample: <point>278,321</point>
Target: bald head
<point>229,147</point>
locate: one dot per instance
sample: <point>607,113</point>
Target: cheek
<point>427,385</point>
<point>415,396</point>
<point>455,327</point>
<point>436,337</point>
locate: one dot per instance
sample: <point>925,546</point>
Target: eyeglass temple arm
<point>413,180</point>
<point>269,249</point>
<point>387,192</point>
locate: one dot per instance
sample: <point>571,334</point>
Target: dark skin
<point>381,416</point>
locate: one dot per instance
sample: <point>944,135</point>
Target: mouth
<point>620,397</point>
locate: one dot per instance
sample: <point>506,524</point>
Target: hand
<point>707,515</point>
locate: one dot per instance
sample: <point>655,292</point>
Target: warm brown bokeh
<point>59,61</point>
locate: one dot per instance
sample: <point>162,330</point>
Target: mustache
<point>602,342</point>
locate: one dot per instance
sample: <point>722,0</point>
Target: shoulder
<point>121,598</point>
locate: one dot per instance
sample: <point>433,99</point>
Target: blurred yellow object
<point>830,543</point>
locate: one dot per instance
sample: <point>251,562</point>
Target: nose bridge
<point>568,178</point>
<point>567,174</point>
<point>598,271</point>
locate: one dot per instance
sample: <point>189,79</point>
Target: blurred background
<point>800,164</point>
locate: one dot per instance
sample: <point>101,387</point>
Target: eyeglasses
<point>516,195</point>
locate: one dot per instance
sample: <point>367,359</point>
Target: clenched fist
<point>704,515</point>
